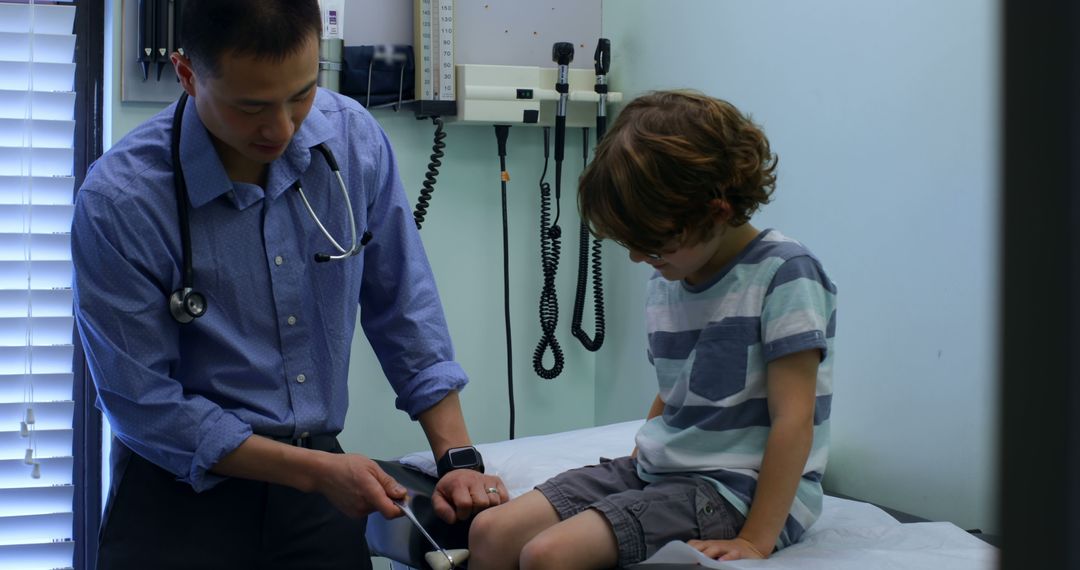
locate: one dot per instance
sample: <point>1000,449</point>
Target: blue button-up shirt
<point>271,354</point>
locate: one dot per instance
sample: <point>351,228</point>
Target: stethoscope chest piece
<point>187,305</point>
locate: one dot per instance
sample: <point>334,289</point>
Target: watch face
<point>463,457</point>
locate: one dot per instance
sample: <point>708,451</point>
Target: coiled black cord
<point>550,248</point>
<point>590,344</point>
<point>432,172</point>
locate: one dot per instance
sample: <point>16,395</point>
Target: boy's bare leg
<point>498,534</point>
<point>582,542</point>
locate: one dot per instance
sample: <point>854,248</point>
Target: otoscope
<point>602,63</point>
<point>562,53</point>
<point>601,60</point>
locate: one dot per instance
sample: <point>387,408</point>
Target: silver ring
<point>494,490</point>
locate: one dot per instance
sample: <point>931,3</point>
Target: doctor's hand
<point>734,549</point>
<point>357,486</point>
<point>462,493</point>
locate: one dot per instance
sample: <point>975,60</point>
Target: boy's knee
<point>543,552</point>
<point>483,530</point>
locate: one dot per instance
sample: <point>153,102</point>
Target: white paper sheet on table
<point>526,462</point>
<point>850,535</point>
<point>898,546</point>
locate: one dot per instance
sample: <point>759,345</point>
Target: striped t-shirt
<point>711,344</point>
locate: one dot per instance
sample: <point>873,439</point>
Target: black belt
<point>319,442</point>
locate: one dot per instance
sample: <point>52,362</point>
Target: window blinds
<point>37,127</point>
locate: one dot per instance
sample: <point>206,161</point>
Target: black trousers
<point>154,522</point>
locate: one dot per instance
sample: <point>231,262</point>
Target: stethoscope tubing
<point>186,304</point>
<point>356,247</point>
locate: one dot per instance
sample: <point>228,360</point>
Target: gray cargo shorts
<point>643,515</point>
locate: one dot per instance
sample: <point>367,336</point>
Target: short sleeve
<point>799,311</point>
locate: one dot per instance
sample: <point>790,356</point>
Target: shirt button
<point>305,434</point>
<point>301,378</point>
<point>292,320</point>
<point>279,260</point>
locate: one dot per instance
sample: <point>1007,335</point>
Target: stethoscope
<point>186,304</point>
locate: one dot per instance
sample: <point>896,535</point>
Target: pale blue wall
<point>885,118</point>
<point>463,236</point>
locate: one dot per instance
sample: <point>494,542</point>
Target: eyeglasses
<point>672,245</point>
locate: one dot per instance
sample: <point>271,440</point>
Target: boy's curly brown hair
<point>667,155</point>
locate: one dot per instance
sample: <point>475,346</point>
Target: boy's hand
<point>734,549</point>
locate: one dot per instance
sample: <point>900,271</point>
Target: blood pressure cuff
<point>389,70</point>
<point>398,539</point>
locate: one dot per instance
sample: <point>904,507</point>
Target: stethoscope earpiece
<point>187,305</point>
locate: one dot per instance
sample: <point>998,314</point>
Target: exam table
<point>849,534</point>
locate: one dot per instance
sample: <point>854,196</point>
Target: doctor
<point>222,363</point>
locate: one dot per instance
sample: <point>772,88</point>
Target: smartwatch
<point>460,458</point>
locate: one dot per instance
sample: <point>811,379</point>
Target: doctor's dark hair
<point>263,29</point>
<point>665,157</point>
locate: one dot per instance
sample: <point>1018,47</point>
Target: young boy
<point>740,331</point>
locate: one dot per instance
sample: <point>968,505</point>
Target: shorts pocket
<point>665,519</point>
<point>717,519</point>
<point>683,508</point>
<point>720,357</point>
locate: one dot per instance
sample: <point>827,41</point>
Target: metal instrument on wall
<point>159,35</point>
<point>149,34</point>
<point>330,63</point>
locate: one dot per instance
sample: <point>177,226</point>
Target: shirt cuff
<point>796,343</point>
<point>430,386</point>
<point>222,438</point>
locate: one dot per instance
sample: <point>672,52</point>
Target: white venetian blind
<point>37,133</point>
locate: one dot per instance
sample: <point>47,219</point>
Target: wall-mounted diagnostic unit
<point>518,94</point>
<point>489,62</point>
<point>433,45</point>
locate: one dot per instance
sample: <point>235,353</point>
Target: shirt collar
<point>205,174</point>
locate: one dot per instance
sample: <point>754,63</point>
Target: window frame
<point>87,428</point>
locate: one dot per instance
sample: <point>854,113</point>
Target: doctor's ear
<point>185,71</point>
